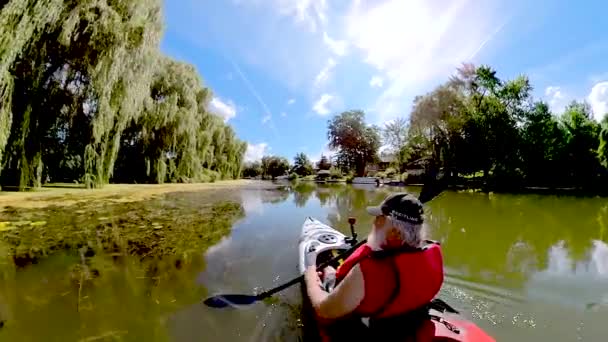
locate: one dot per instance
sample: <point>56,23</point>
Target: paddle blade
<point>226,300</point>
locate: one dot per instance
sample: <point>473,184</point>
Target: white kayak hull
<point>316,238</point>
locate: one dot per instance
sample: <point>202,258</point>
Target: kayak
<point>438,322</point>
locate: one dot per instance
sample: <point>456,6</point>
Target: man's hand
<point>311,276</point>
<point>311,259</point>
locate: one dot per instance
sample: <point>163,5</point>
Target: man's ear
<point>393,238</point>
<point>381,220</point>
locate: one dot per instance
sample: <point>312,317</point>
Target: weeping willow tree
<point>177,139</point>
<point>22,25</point>
<point>603,149</point>
<point>100,53</point>
<point>78,78</point>
<point>125,36</point>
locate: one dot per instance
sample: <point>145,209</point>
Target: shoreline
<point>145,221</point>
<point>65,195</point>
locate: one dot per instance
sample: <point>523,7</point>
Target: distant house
<point>323,175</point>
<point>416,170</point>
<point>384,162</point>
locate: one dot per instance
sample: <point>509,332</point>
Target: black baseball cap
<point>401,206</point>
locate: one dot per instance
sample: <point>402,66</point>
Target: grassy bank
<point>66,194</point>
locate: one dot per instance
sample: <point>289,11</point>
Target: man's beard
<point>376,238</point>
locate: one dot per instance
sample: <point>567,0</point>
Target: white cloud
<point>412,45</point>
<point>416,43</point>
<point>283,114</point>
<point>598,99</point>
<point>320,107</point>
<point>324,74</point>
<point>556,99</point>
<point>266,118</point>
<point>338,47</point>
<point>226,110</point>
<point>291,101</point>
<point>312,13</point>
<point>255,152</point>
<point>376,81</point>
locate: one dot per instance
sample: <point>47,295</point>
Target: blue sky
<point>279,69</point>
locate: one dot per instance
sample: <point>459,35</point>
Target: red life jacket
<point>396,282</point>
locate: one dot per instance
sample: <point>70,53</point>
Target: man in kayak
<point>395,273</point>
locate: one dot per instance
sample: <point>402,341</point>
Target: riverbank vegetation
<point>478,124</point>
<point>484,132</point>
<point>87,96</point>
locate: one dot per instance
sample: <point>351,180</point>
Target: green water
<point>523,267</point>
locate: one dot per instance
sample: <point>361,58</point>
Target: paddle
<point>429,191</point>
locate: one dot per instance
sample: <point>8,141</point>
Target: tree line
<point>482,131</point>
<point>479,126</point>
<point>86,95</point>
<point>271,167</point>
<point>486,132</point>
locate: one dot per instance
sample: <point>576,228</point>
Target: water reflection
<point>578,283</point>
<point>104,299</point>
<point>252,202</point>
<point>302,192</point>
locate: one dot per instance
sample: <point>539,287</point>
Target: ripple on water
<point>554,308</point>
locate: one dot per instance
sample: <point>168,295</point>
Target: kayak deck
<point>318,239</point>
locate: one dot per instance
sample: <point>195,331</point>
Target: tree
<point>395,132</point>
<point>83,80</point>
<point>302,165</point>
<point>58,53</point>
<point>542,147</point>
<point>582,137</point>
<point>490,132</point>
<point>324,163</point>
<point>252,170</point>
<point>395,135</point>
<point>478,122</point>
<point>176,139</point>
<point>603,148</point>
<point>356,142</point>
<point>436,126</point>
<point>273,166</point>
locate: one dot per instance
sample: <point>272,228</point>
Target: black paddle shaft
<point>322,266</point>
<point>230,300</point>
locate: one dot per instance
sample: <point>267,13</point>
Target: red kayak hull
<point>439,327</point>
<point>460,330</point>
<point>434,331</point>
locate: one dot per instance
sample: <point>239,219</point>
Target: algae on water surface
<point>174,224</point>
<point>107,270</point>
